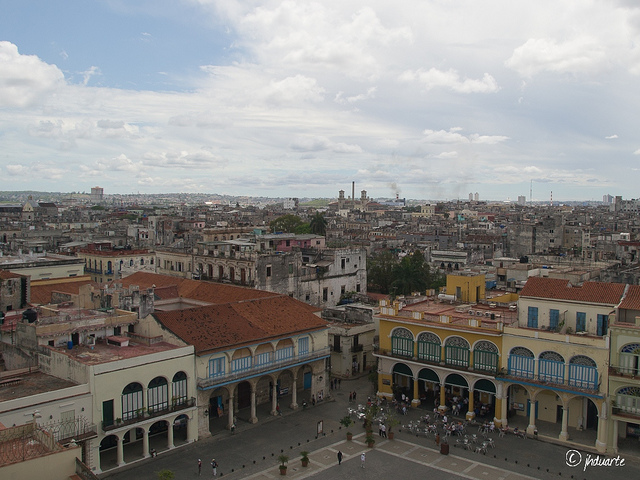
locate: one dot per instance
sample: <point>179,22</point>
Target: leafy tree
<point>166,475</point>
<point>286,223</point>
<point>318,224</point>
<point>380,272</point>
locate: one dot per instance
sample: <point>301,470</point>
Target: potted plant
<point>304,458</point>
<point>283,459</point>
<point>369,414</point>
<point>391,422</point>
<point>347,422</point>
<point>370,440</point>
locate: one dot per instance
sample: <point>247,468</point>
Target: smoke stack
<point>353,193</point>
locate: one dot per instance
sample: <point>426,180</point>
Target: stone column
<point>601,441</point>
<point>120,452</point>
<point>615,436</point>
<point>170,435</point>
<point>416,394</point>
<point>504,410</point>
<point>274,399</point>
<point>443,398</point>
<point>145,443</point>
<point>253,418</point>
<point>470,413</point>
<point>230,413</point>
<point>532,417</point>
<point>564,434</point>
<point>191,429</point>
<point>294,394</point>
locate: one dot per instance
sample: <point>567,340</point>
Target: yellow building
<point>624,375</point>
<point>443,356</point>
<point>468,287</point>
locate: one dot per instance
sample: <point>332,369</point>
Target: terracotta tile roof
<point>632,298</point>
<point>559,289</point>
<point>240,323</point>
<point>7,274</point>
<point>41,294</point>
<point>197,290</point>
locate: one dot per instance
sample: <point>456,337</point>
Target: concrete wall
<point>54,466</point>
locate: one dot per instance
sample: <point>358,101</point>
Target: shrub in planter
<point>283,459</point>
<point>304,458</point>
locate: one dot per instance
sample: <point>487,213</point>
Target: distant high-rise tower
<point>471,196</point>
<point>476,197</point>
<point>522,200</point>
<point>97,194</point>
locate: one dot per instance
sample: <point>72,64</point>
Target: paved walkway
<point>252,452</point>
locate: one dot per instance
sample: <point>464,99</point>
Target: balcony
<point>144,414</point>
<point>357,348</point>
<point>624,372</point>
<point>204,383</point>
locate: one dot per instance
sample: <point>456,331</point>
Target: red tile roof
<point>632,298</point>
<point>559,289</point>
<point>238,315</point>
<point>195,289</point>
<point>216,327</point>
<point>41,294</point>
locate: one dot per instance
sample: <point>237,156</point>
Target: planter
<point>390,435</point>
<point>283,470</point>
<point>305,463</point>
<point>349,436</point>
<point>370,444</point>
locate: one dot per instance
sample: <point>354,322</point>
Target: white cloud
<point>611,137</point>
<point>25,79</point>
<point>452,136</point>
<point>434,78</point>
<point>637,152</point>
<point>342,100</point>
<point>580,55</point>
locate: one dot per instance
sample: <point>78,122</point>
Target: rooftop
<point>14,386</point>
<point>102,352</point>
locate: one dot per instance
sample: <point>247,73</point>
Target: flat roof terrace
<point>102,352</point>
<point>28,384</point>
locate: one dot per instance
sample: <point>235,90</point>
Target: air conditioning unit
<point>479,313</point>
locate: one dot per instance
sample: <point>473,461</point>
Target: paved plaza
<point>252,452</point>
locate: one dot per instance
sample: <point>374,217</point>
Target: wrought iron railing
<point>63,431</point>
<point>144,414</point>
<point>277,364</point>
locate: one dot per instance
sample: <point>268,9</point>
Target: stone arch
<point>402,332</point>
<point>429,337</point>
<point>158,394</point>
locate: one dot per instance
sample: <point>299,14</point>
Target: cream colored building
<point>143,391</point>
<point>253,348</point>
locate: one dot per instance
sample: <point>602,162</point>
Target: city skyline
<point>426,100</point>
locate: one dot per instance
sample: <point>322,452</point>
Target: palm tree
<point>318,224</point>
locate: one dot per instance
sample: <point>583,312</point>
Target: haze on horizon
<point>427,99</point>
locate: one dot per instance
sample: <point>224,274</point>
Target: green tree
<point>380,272</point>
<point>286,223</point>
<point>318,224</point>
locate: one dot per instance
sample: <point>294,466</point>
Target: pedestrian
<point>313,400</point>
<point>199,467</point>
<point>350,397</point>
<point>214,466</point>
<point>362,459</point>
<point>354,395</point>
<point>339,383</point>
<point>339,457</point>
<point>278,412</point>
<point>383,430</point>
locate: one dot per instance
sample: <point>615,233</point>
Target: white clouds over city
<point>285,98</point>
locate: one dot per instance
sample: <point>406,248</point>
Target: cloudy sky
<point>430,99</point>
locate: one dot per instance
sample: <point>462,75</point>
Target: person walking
<point>214,466</point>
<point>362,459</point>
<point>339,457</point>
<point>199,467</point>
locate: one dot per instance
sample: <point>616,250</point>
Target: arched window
<point>402,342</point>
<point>551,367</point>
<point>583,372</point>
<point>630,359</point>
<point>132,401</point>
<point>521,362</point>
<point>456,351</point>
<point>429,347</point>
<point>158,394</point>
<point>485,356</point>
<point>179,389</point>
<point>628,399</point>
